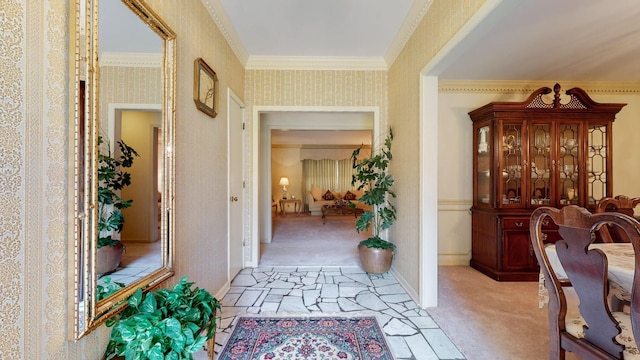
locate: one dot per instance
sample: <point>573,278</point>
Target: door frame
<point>261,155</point>
<point>232,97</point>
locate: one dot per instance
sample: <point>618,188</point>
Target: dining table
<point>621,266</point>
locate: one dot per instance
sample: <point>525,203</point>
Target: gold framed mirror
<point>123,139</point>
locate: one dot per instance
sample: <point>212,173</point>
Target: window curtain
<point>334,175</point>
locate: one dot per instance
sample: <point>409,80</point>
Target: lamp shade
<point>284,181</point>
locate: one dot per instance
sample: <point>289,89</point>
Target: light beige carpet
<point>302,240</point>
<point>488,319</point>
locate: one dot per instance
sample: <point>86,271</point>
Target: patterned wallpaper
<point>129,84</point>
<point>318,88</point>
<point>35,241</point>
<point>12,186</point>
<point>439,25</point>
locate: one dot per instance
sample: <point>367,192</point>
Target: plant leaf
<point>135,298</point>
<point>149,304</point>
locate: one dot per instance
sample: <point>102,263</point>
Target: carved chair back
<point>587,272</point>
<point>622,204</point>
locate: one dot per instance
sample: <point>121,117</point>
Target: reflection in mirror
<point>128,106</point>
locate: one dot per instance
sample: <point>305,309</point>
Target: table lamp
<point>284,181</point>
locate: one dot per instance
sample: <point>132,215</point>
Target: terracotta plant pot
<point>374,260</point>
<point>108,258</point>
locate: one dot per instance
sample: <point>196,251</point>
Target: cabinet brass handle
<point>545,222</point>
<point>519,223</point>
<point>544,237</point>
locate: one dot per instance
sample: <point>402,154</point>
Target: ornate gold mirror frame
<point>96,110</point>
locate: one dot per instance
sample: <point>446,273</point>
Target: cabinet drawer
<point>515,224</point>
<point>523,224</point>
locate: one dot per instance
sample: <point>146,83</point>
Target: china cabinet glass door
<point>540,164</point>
<point>597,147</point>
<point>511,165</point>
<point>568,165</point>
<point>483,165</point>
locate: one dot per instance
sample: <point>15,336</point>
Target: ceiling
<point>530,40</point>
<point>578,40</point>
<point>360,28</point>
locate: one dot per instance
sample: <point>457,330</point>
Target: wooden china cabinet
<point>544,151</point>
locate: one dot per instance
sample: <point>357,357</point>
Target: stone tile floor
<point>296,291</point>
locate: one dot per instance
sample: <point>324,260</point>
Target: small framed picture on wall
<point>205,88</point>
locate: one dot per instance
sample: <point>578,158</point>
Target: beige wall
<point>285,161</point>
<point>35,246</point>
<point>441,22</point>
<point>201,145</point>
<point>141,219</point>
<point>128,85</point>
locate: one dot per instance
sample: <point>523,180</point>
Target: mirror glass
<point>124,160</point>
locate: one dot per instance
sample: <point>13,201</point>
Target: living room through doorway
<point>301,239</point>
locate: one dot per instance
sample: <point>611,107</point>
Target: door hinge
<point>244,242</point>
<point>244,185</point>
<point>242,126</point>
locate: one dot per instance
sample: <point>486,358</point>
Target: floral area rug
<point>306,338</point>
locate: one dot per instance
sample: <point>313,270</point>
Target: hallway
<point>410,331</point>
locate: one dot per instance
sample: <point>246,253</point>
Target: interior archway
<point>293,118</point>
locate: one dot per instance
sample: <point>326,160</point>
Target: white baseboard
<point>405,285</point>
<point>454,259</point>
<point>222,292</point>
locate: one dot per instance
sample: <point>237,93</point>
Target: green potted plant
<point>371,173</point>
<point>107,287</point>
<point>164,324</point>
<point>112,178</point>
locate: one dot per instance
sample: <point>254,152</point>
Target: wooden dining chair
<point>622,204</point>
<point>608,334</point>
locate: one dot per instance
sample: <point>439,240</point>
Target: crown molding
<point>131,59</point>
<point>219,16</point>
<point>315,63</point>
<point>526,87</point>
<point>409,25</point>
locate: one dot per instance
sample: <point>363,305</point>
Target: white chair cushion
<point>575,327</point>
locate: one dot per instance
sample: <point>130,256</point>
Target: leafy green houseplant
<point>164,324</point>
<point>107,287</point>
<point>371,173</point>
<point>112,178</point>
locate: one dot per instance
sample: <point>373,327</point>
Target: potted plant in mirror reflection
<point>112,178</point>
<point>371,173</point>
<point>107,287</point>
<point>164,324</point>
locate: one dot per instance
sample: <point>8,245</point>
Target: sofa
<point>317,197</point>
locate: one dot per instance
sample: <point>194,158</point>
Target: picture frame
<point>205,88</point>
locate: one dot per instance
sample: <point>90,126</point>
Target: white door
<point>236,191</point>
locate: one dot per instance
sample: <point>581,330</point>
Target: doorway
<point>291,118</point>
